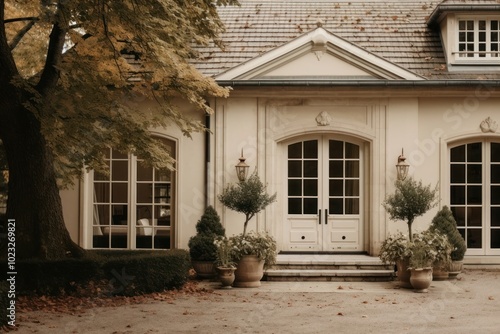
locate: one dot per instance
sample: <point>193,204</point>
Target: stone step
<point>329,267</point>
<point>334,275</point>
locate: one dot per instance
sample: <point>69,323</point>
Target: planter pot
<point>421,279</point>
<point>204,269</point>
<point>249,272</point>
<point>456,268</point>
<point>226,276</point>
<point>439,273</point>
<point>403,273</point>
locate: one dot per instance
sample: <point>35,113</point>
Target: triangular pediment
<point>319,55</point>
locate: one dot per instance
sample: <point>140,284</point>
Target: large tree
<point>67,91</point>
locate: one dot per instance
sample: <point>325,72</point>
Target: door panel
<point>324,201</point>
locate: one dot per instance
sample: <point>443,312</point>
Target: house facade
<point>326,95</point>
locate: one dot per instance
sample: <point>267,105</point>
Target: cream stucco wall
<point>261,121</point>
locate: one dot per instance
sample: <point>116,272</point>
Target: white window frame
<point>490,57</point>
<point>486,200</point>
<point>87,214</point>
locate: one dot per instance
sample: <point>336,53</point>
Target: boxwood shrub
<point>114,272</point>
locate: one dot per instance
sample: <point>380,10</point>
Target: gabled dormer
<point>470,33</point>
<point>318,55</point>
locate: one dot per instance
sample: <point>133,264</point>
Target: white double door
<point>324,203</point>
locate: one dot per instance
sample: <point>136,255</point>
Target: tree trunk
<point>33,200</point>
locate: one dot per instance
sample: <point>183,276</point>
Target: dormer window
<point>478,39</point>
<point>470,33</point>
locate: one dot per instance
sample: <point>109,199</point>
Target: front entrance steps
<point>329,267</point>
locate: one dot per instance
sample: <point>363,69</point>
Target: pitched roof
<point>395,30</point>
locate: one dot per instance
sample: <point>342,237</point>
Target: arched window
<point>475,194</point>
<point>133,206</point>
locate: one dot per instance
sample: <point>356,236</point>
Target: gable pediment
<point>318,54</point>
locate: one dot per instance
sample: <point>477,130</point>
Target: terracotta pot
<point>226,276</point>
<point>456,268</point>
<point>421,279</point>
<point>439,273</point>
<point>249,272</point>
<point>204,269</point>
<point>403,273</point>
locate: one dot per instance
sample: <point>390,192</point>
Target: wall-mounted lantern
<point>402,167</point>
<point>242,168</point>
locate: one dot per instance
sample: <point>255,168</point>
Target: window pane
<point>336,149</point>
<point>336,168</point>
<point>101,192</point>
<point>495,216</point>
<point>352,187</point>
<point>311,168</point>
<point>457,194</point>
<point>474,195</point>
<point>474,238</point>
<point>310,206</point>
<point>495,173</point>
<point>351,151</point>
<point>294,168</point>
<point>336,206</point>
<point>352,206</point>
<point>474,173</point>
<point>352,168</point>
<point>102,216</point>
<point>294,187</point>
<point>310,187</point>
<point>495,195</point>
<point>119,171</point>
<point>119,192</point>
<point>495,238</point>
<point>311,149</point>
<point>295,151</point>
<point>474,152</point>
<point>144,211</point>
<point>457,173</point>
<point>144,173</point>
<point>474,216</point>
<point>336,188</point>
<point>144,193</point>
<point>495,152</point>
<point>119,217</point>
<point>459,215</point>
<point>458,154</point>
<point>294,206</point>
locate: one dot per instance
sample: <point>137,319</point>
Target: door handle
<point>326,216</point>
<point>319,214</point>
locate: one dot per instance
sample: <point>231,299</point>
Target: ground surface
<point>470,304</point>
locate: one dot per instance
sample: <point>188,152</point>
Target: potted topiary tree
<point>410,200</point>
<point>202,249</point>
<point>253,251</point>
<point>445,223</point>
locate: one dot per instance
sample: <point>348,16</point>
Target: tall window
<point>479,39</point>
<point>133,205</point>
<point>475,194</point>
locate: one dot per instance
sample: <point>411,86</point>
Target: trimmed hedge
<point>105,272</point>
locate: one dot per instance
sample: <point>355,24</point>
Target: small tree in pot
<point>250,197</point>
<point>410,200</point>
<point>202,249</point>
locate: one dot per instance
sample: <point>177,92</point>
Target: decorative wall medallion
<point>323,119</point>
<point>488,125</point>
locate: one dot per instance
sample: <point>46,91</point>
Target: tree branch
<point>17,19</point>
<point>57,38</point>
<point>21,34</point>
<point>7,63</point>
